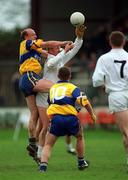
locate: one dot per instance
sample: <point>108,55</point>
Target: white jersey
<point>51,67</point>
<point>112,71</point>
<point>53,63</point>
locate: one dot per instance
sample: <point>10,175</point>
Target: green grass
<point>104,150</point>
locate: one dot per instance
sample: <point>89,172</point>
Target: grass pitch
<point>104,150</point>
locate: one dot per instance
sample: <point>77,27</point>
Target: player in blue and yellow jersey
<point>63,114</point>
<point>31,52</point>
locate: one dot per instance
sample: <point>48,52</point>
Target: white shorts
<point>118,101</point>
<point>41,100</point>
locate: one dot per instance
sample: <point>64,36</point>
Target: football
<point>77,18</point>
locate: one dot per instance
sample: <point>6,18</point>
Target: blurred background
<point>50,19</point>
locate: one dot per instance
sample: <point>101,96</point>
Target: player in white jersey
<point>55,60</point>
<point>112,72</point>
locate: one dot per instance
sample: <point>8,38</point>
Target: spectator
<point>15,87</point>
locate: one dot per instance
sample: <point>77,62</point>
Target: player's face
<point>31,35</point>
<point>54,50</point>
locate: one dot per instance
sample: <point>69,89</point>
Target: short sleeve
<point>76,93</point>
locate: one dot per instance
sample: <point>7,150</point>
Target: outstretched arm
<point>90,111</point>
<point>70,50</point>
<point>64,57</point>
<point>50,44</point>
<point>69,54</point>
<point>83,101</point>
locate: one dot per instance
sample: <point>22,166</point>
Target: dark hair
<point>64,73</point>
<point>22,35</point>
<point>117,38</point>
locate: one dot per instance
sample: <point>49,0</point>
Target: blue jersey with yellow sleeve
<point>62,98</point>
<point>30,56</point>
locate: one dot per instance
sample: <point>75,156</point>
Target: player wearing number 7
<point>112,72</point>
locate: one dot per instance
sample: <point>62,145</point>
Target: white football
<point>77,18</point>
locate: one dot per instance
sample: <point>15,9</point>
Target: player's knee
<point>79,136</point>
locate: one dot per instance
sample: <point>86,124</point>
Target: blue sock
<point>81,160</point>
<point>43,166</point>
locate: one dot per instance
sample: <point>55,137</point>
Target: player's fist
<point>79,31</point>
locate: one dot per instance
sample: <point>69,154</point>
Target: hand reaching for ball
<point>80,31</point>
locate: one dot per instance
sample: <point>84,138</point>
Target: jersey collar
<point>61,81</point>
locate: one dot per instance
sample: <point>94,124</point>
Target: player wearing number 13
<point>112,72</point>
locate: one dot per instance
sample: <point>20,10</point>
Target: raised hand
<point>80,31</point>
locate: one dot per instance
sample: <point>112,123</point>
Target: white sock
<point>70,146</point>
<point>39,152</point>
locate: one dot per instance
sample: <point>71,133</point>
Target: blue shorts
<point>62,125</point>
<point>27,82</point>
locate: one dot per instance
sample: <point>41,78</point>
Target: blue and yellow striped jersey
<point>30,56</point>
<point>62,98</point>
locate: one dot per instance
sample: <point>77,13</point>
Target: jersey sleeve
<point>98,75</point>
<point>30,44</point>
<point>76,93</point>
<point>82,100</point>
<point>70,54</point>
<point>54,60</point>
<point>65,57</point>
